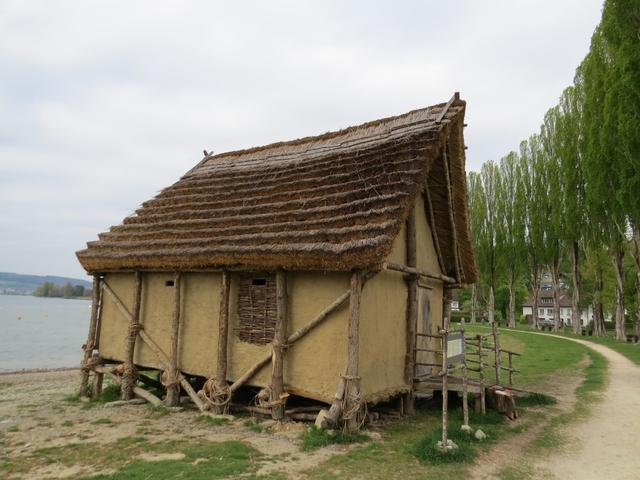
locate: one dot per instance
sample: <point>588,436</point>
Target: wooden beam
<point>90,343</point>
<point>415,271</point>
<point>411,314</point>
<point>434,230</point>
<point>173,387</point>
<point>277,362</point>
<point>128,378</point>
<point>454,234</point>
<point>445,109</point>
<point>162,357</point>
<point>294,337</point>
<point>138,391</point>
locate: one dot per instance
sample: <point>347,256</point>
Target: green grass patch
<point>541,356</point>
<point>215,421</point>
<point>535,400</point>
<point>158,411</point>
<point>102,421</point>
<point>316,437</point>
<point>214,460</point>
<point>66,423</point>
<point>254,426</point>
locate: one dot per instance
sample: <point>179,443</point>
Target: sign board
<point>455,348</point>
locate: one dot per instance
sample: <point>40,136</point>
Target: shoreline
<point>38,370</point>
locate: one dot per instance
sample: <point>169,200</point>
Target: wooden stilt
<point>223,339</point>
<point>277,362</point>
<point>153,346</point>
<point>347,401</point>
<point>445,390</point>
<point>352,379</point>
<point>98,377</point>
<point>412,315</point>
<point>128,379</point>
<point>90,343</point>
<point>173,384</point>
<point>465,393</point>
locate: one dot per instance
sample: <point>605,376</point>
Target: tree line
<point>50,289</point>
<point>568,201</point>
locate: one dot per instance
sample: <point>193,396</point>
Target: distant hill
<point>17,283</point>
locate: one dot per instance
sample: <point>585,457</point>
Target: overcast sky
<point>103,103</point>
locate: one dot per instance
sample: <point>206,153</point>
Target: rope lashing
<point>168,380</point>
<point>354,405</point>
<point>134,328</point>
<point>214,394</point>
<point>90,363</point>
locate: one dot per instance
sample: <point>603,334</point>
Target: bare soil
<point>35,415</point>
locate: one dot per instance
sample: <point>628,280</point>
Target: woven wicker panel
<point>257,308</point>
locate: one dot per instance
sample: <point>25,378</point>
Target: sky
<point>104,103</point>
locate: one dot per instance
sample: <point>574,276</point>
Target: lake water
<point>42,332</point>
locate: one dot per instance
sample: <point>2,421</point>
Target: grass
<point>469,447</point>
<point>215,421</point>
<point>254,426</point>
<point>629,350</point>
<point>203,460</point>
<point>316,437</point>
<point>536,400</point>
<point>215,459</point>
<point>102,421</point>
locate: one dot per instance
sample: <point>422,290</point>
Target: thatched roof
<point>331,202</point>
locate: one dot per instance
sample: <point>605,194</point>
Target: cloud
<point>102,104</point>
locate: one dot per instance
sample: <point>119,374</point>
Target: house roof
<point>330,202</point>
<point>563,299</point>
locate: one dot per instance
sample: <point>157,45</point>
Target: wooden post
<point>483,405</point>
<point>352,379</point>
<point>223,338</point>
<point>465,404</point>
<point>173,386</point>
<point>347,401</point>
<point>128,378</point>
<point>98,377</point>
<point>89,345</point>
<point>445,390</point>
<point>279,340</point>
<point>412,315</point>
<point>496,348</point>
<point>510,369</point>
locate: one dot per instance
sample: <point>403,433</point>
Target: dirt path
<point>606,444</point>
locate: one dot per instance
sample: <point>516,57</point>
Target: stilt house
<point>305,268</point>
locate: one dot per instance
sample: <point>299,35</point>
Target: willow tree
<point>601,156</point>
<point>510,227</point>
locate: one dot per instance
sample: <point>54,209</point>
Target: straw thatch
<point>331,202</point>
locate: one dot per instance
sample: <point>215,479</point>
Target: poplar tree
<point>568,130</point>
<point>511,230</point>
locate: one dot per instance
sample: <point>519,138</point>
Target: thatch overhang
<point>332,202</point>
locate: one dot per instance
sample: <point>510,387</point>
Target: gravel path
<point>607,442</point>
